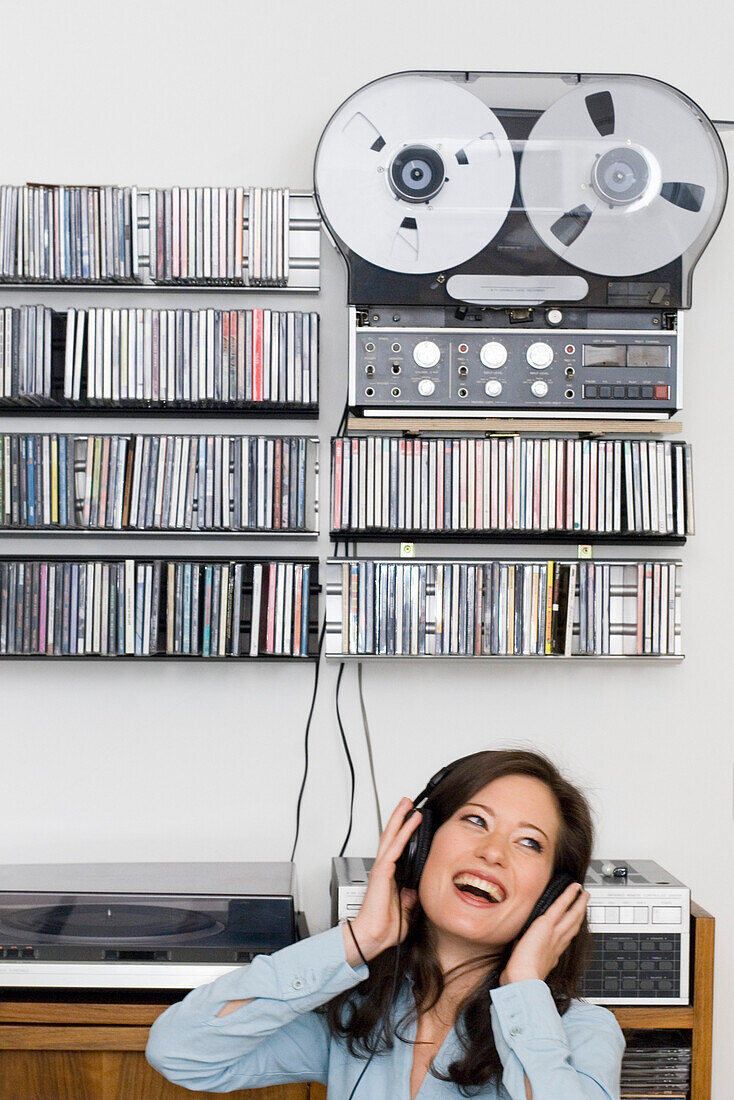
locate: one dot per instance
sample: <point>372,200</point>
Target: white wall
<point>192,761</point>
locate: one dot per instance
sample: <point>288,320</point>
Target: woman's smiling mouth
<point>478,889</point>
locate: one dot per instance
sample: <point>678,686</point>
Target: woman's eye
<point>474,818</point>
<point>531,842</point>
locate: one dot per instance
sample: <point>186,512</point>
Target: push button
<point>618,391</point>
<point>666,914</point>
<point>590,391</point>
<point>661,393</point>
<point>633,391</point>
<point>647,391</point>
<point>605,391</point>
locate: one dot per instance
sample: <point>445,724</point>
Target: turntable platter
<point>124,921</point>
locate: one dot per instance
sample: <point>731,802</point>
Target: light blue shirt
<point>279,1038</point>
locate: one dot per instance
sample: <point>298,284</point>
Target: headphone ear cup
<point>413,860</point>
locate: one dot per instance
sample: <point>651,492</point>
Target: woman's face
<point>490,862</point>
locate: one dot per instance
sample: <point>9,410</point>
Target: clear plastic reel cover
<point>415,174</point>
<point>619,175</point>
<point>622,175</point>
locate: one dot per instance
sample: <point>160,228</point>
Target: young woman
<point>435,992</point>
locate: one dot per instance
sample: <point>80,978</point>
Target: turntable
<point>140,925</point>
<point>519,244</point>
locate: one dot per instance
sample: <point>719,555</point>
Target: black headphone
<point>410,865</point>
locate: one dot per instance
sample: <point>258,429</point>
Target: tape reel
<point>620,177</point>
<point>415,174</point>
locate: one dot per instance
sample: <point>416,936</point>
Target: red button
<point>570,349</point>
<point>661,393</point>
<point>463,348</point>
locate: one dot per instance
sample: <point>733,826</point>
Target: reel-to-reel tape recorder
<point>519,244</point>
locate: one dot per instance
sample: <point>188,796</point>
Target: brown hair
<point>366,1017</point>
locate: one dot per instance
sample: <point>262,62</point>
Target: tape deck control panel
<point>530,371</point>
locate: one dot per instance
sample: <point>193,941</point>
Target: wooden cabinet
<point>104,1075</point>
<point>73,1049</point>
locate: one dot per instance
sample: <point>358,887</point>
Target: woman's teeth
<point>480,887</point>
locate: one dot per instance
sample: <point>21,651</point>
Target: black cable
<point>307,736</point>
<point>343,421</point>
<point>393,991</point>
<point>350,762</point>
<point>340,433</point>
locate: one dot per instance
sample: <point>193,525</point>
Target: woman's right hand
<point>383,918</point>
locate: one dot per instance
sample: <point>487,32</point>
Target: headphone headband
<point>434,781</point>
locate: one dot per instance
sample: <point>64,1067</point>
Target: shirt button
<point>297,983</point>
<point>515,1031</point>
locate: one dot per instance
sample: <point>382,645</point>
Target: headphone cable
<point>393,992</point>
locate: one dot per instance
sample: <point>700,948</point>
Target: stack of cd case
<point>158,483</point>
<point>656,1064</point>
<point>158,607</point>
<point>173,236</point>
<point>512,487</point>
<point>502,608</point>
<point>188,360</point>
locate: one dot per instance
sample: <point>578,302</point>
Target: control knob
<point>426,387</point>
<point>540,355</point>
<point>493,388</point>
<point>539,388</point>
<point>426,353</point>
<point>493,354</point>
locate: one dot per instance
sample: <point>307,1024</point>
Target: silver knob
<point>493,354</point>
<point>426,353</point>
<point>426,387</point>
<point>493,388</point>
<point>539,388</point>
<point>554,316</point>
<point>540,355</point>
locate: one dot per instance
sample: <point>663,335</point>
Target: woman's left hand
<point>537,952</point>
